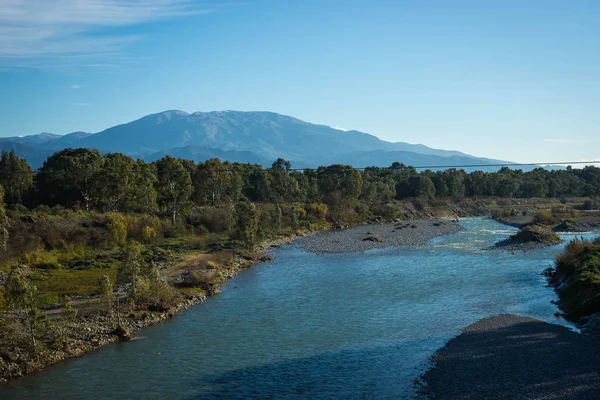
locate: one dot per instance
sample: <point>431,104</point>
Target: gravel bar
<point>368,237</point>
<point>512,357</point>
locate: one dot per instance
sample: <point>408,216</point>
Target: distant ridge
<point>244,136</point>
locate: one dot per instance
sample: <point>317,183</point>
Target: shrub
<point>148,233</point>
<point>215,219</point>
<point>19,208</point>
<point>545,217</point>
<point>318,210</point>
<point>117,226</point>
<point>57,210</point>
<point>419,204</point>
<point>43,209</point>
<point>42,259</point>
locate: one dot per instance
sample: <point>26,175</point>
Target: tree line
<point>87,179</point>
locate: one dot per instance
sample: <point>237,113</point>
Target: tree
<point>143,197</point>
<point>105,288</point>
<point>69,176</point>
<point>246,222</point>
<point>339,183</point>
<point>283,186</point>
<point>216,182</point>
<point>3,224</point>
<point>425,187</point>
<point>174,185</point>
<point>16,176</point>
<point>21,296</point>
<point>117,181</point>
<point>130,268</point>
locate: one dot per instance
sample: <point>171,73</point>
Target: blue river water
<point>354,325</point>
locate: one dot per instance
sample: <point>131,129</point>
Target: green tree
<point>21,297</point>
<point>339,183</point>
<point>16,176</point>
<point>246,225</point>
<point>143,196</point>
<point>3,224</point>
<point>106,291</point>
<point>174,185</point>
<point>130,268</point>
<point>283,186</point>
<point>424,187</point>
<point>70,176</point>
<point>216,182</point>
<point>117,181</point>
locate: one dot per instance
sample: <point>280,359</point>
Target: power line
<point>39,171</point>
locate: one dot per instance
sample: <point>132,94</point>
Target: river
<point>354,325</point>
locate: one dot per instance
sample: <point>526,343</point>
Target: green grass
<point>53,284</point>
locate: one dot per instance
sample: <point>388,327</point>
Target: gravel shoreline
<point>508,357</point>
<point>368,237</point>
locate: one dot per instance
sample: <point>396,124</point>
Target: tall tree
<point>21,297</point>
<point>70,176</point>
<point>246,225</point>
<point>216,182</point>
<point>283,186</point>
<point>130,268</point>
<point>16,176</point>
<point>174,185</point>
<point>339,183</point>
<point>3,224</point>
<point>143,196</point>
<point>117,181</point>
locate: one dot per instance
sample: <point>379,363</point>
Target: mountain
<point>197,154</point>
<point>257,137</point>
<point>33,155</point>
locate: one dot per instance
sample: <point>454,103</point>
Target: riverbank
<point>508,356</point>
<point>369,237</point>
<point>90,331</point>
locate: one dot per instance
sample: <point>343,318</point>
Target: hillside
<point>245,137</point>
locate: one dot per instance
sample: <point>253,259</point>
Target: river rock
<point>536,233</point>
<point>529,238</point>
<point>123,334</point>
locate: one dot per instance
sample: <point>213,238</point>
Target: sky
<point>510,80</point>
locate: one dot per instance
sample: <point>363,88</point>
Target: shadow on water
<point>350,374</point>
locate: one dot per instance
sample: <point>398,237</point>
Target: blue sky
<point>506,79</point>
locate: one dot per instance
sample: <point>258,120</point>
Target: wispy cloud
<point>559,140</point>
<point>80,104</point>
<point>75,87</point>
<point>44,32</point>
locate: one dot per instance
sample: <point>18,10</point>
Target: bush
<point>545,217</point>
<point>117,225</point>
<point>419,204</point>
<point>148,233</point>
<point>19,208</point>
<point>42,259</point>
<point>43,209</point>
<point>215,219</point>
<point>318,210</point>
<point>590,204</point>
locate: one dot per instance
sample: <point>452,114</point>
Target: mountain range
<point>254,137</point>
